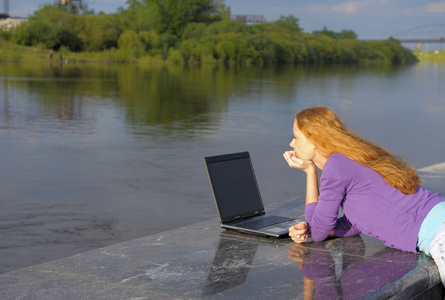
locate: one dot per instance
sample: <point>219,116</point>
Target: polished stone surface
<point>205,261</point>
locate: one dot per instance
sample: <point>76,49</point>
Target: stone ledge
<point>204,261</point>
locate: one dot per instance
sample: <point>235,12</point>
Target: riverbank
<point>431,56</point>
<point>12,52</point>
<point>203,261</point>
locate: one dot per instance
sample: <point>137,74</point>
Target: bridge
<point>441,40</point>
<point>422,34</point>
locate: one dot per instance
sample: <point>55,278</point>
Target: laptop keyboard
<point>264,222</point>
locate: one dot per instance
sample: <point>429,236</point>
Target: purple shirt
<point>371,206</point>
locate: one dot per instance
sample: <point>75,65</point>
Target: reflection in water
<point>329,277</point>
<point>163,95</point>
<point>116,150</point>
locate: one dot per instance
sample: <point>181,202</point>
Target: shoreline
<point>12,52</point>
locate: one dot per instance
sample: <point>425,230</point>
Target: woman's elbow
<point>320,233</point>
<point>318,237</point>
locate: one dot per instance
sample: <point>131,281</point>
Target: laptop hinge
<point>244,218</point>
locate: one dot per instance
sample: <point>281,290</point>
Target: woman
<point>379,193</point>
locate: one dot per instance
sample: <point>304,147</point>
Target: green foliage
<point>8,51</point>
<point>99,32</point>
<point>289,23</point>
<point>224,26</point>
<point>143,15</point>
<point>435,56</point>
<point>54,27</point>
<point>172,16</point>
<point>344,34</point>
<point>50,27</point>
<point>196,31</point>
<point>129,40</point>
<point>149,39</point>
<point>347,34</point>
<point>175,56</point>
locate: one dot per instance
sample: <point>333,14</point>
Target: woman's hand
<point>299,233</point>
<point>297,163</point>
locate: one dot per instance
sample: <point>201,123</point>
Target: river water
<point>96,154</point>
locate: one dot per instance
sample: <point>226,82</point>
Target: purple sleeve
<point>342,228</point>
<point>322,216</point>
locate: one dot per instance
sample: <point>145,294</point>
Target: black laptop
<point>238,198</point>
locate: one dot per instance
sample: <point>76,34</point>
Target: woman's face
<point>303,148</point>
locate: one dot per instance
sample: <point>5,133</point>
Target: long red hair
<point>329,135</point>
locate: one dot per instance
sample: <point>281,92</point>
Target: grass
<point>12,52</point>
<point>431,56</point>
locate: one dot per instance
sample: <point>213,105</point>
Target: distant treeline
<point>195,31</point>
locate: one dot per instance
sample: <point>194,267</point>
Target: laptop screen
<point>234,186</point>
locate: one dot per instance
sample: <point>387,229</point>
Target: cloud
<point>436,7</point>
<point>407,11</point>
<point>350,7</point>
<point>318,8</point>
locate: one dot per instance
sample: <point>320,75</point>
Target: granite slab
<point>203,261</point>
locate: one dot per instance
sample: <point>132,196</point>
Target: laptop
<point>238,198</point>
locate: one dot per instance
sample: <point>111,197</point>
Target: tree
<point>172,16</point>
<point>149,39</point>
<point>129,40</point>
<point>347,34</point>
<point>99,32</point>
<point>143,15</point>
<point>51,27</point>
<point>344,34</point>
<point>290,23</point>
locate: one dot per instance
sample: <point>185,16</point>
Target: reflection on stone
<point>231,265</point>
<point>330,273</point>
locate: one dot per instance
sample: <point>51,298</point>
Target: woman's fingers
<point>299,232</point>
<point>295,162</point>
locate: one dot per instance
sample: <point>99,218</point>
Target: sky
<point>369,19</point>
